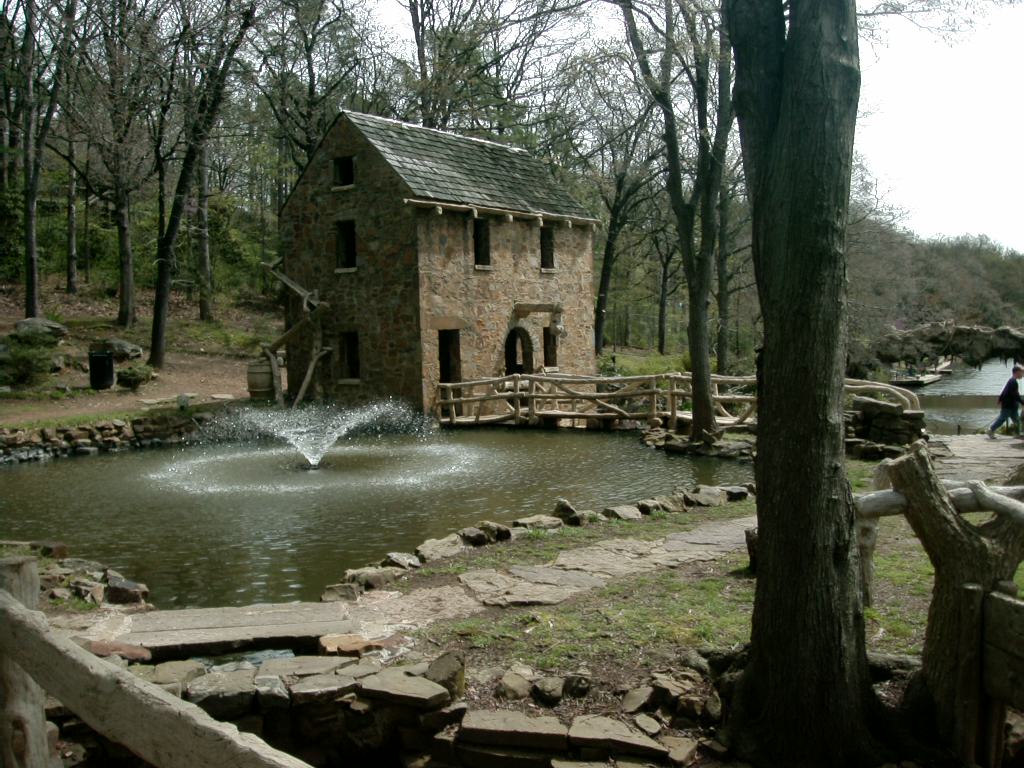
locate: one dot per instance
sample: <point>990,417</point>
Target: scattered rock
<point>647,724</point>
<point>104,648</point>
<point>120,348</point>
<point>364,668</point>
<point>622,512</point>
<point>401,560</point>
<point>637,699</point>
<point>373,577</point>
<point>538,523</point>
<point>736,492</point>
<point>397,687</point>
<point>449,671</point>
<point>681,750</point>
<point>649,506</point>
<point>436,549</point>
<point>32,326</point>
<point>356,645</point>
<point>224,695</point>
<point>495,531</point>
<point>183,672</point>
<point>124,592</point>
<point>474,537</point>
<point>577,685</point>
<point>322,688</point>
<point>271,693</point>
<point>509,728</point>
<point>614,736</point>
<point>548,690</point>
<point>450,715</point>
<point>513,687</point>
<point>303,666</point>
<point>334,593</point>
<point>705,496</point>
<point>565,512</point>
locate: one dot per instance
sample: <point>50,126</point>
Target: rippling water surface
<point>234,524</point>
<point>965,398</point>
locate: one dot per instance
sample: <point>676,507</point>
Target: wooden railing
<point>158,727</point>
<point>532,398</point>
<point>991,674</point>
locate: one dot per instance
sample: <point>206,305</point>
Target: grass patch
<point>631,619</point>
<point>634,364</point>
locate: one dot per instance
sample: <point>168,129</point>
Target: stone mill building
<point>440,258</point>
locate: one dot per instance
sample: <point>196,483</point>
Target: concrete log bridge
<point>532,399</point>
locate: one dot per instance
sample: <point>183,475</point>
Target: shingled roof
<point>457,169</point>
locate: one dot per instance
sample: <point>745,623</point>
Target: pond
<point>235,524</point>
<point>965,398</point>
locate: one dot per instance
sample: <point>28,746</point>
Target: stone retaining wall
<point>155,428</point>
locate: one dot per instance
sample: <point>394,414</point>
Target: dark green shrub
<point>25,360</point>
<point>134,376</point>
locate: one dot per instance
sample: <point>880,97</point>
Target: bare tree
<point>698,55</point>
<point>47,42</point>
<point>214,42</point>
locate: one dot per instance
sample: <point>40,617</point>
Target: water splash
<point>313,429</point>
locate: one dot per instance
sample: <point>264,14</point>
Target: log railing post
<point>673,417</point>
<point>867,536</point>
<point>23,742</point>
<point>968,719</point>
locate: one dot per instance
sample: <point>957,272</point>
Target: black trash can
<point>101,370</point>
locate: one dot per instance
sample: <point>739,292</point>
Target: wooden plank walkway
<point>975,457</point>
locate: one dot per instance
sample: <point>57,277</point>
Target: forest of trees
<point>147,145</point>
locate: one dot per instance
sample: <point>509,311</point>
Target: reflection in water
<point>233,524</point>
<point>967,398</point>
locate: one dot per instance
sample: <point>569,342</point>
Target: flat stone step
<point>199,631</point>
<point>508,728</point>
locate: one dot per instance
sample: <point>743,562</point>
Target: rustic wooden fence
<point>522,399</point>
<point>158,727</point>
<point>991,674</point>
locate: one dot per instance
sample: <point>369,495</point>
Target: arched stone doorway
<point>518,352</point>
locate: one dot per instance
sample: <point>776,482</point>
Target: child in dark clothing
<point>1009,403</point>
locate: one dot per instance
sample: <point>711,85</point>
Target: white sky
<point>943,126</point>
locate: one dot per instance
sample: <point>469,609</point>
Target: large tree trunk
<point>203,219</point>
<point>605,283</point>
<point>961,553</point>
<point>30,188</point>
<point>126,312</point>
<point>72,211</point>
<point>663,306</point>
<point>724,294</point>
<point>805,698</point>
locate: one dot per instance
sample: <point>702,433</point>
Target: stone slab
<point>606,733</point>
<point>558,577</point>
<point>303,666</point>
<point>397,687</point>
<point>481,756</point>
<point>224,695</point>
<point>495,588</point>
<point>212,631</point>
<point>513,729</point>
<point>322,688</point>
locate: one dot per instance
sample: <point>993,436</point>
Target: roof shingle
<point>458,169</point>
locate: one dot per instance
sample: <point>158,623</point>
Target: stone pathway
<point>379,614</point>
<point>975,457</point>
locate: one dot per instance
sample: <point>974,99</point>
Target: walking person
<point>1009,403</point>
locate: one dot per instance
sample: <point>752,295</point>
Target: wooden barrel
<point>260,377</point>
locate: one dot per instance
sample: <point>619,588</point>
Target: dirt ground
<point>203,360</point>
